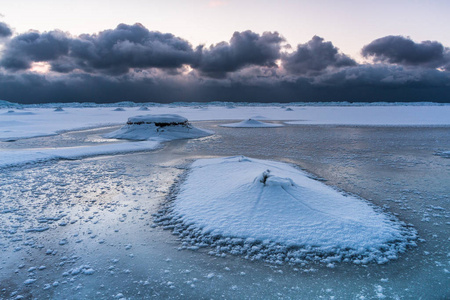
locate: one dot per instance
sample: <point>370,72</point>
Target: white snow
<point>42,120</point>
<point>19,157</point>
<point>163,127</point>
<point>251,123</point>
<point>272,202</point>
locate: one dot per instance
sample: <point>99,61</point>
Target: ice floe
<point>251,123</point>
<point>273,211</point>
<point>163,127</point>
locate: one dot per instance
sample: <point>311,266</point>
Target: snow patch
<point>20,157</point>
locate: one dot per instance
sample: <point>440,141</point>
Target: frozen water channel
<point>79,229</point>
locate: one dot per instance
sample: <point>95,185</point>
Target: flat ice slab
<point>273,202</point>
<point>251,123</point>
<point>164,127</point>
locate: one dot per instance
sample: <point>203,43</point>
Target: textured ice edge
<point>193,238</point>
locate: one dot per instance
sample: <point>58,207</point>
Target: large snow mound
<point>164,127</point>
<point>273,211</point>
<point>251,123</point>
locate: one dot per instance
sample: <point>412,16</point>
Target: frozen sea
<point>83,229</point>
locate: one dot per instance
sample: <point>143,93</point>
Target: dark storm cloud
<point>404,51</point>
<point>113,51</point>
<point>314,57</point>
<point>127,46</point>
<point>131,63</point>
<point>5,31</point>
<point>362,83</point>
<point>244,49</point>
<point>30,47</point>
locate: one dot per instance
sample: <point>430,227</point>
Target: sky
<point>208,50</point>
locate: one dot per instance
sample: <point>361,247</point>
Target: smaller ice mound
<point>251,123</point>
<point>119,109</point>
<point>445,154</point>
<point>145,108</point>
<point>59,109</point>
<point>272,211</point>
<point>164,127</point>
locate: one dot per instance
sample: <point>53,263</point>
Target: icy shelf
<point>273,211</point>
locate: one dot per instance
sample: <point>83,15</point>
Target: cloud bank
<point>134,63</point>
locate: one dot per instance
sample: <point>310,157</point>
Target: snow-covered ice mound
<point>272,211</point>
<point>164,127</point>
<point>251,123</point>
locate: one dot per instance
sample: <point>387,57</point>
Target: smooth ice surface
<point>272,201</point>
<point>250,123</point>
<point>19,157</point>
<point>157,127</point>
<point>41,120</point>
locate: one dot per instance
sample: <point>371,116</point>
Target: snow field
<point>18,123</point>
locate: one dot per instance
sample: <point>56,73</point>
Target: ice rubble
<point>272,211</point>
<point>251,123</point>
<point>163,127</point>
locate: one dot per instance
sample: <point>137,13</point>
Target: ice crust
<point>251,123</point>
<point>163,127</point>
<point>273,211</point>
